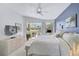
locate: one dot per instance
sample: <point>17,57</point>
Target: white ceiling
<point>51,10</point>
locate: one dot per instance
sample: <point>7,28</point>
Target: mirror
<point>33,29</point>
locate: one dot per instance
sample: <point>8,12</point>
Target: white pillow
<point>69,37</point>
<point>77,37</point>
<point>59,34</point>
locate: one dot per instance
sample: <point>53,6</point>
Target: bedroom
<point>39,29</point>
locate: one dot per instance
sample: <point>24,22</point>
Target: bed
<point>43,45</point>
<point>49,45</point>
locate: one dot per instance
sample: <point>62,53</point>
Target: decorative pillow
<point>69,37</point>
<point>77,37</point>
<point>60,34</point>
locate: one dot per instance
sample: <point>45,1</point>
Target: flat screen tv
<point>10,30</point>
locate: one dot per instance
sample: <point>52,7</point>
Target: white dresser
<point>8,45</point>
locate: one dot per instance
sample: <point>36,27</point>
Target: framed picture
<point>71,21</point>
<point>19,26</point>
<point>10,30</point>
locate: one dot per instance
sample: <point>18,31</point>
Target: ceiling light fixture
<point>39,9</point>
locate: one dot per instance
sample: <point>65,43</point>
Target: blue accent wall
<point>71,10</point>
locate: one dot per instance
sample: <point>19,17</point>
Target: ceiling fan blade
<point>41,14</point>
<point>44,11</point>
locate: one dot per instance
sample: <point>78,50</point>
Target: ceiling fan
<point>40,10</point>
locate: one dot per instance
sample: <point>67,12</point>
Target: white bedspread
<point>45,45</point>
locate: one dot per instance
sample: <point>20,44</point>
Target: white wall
<point>8,17</point>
